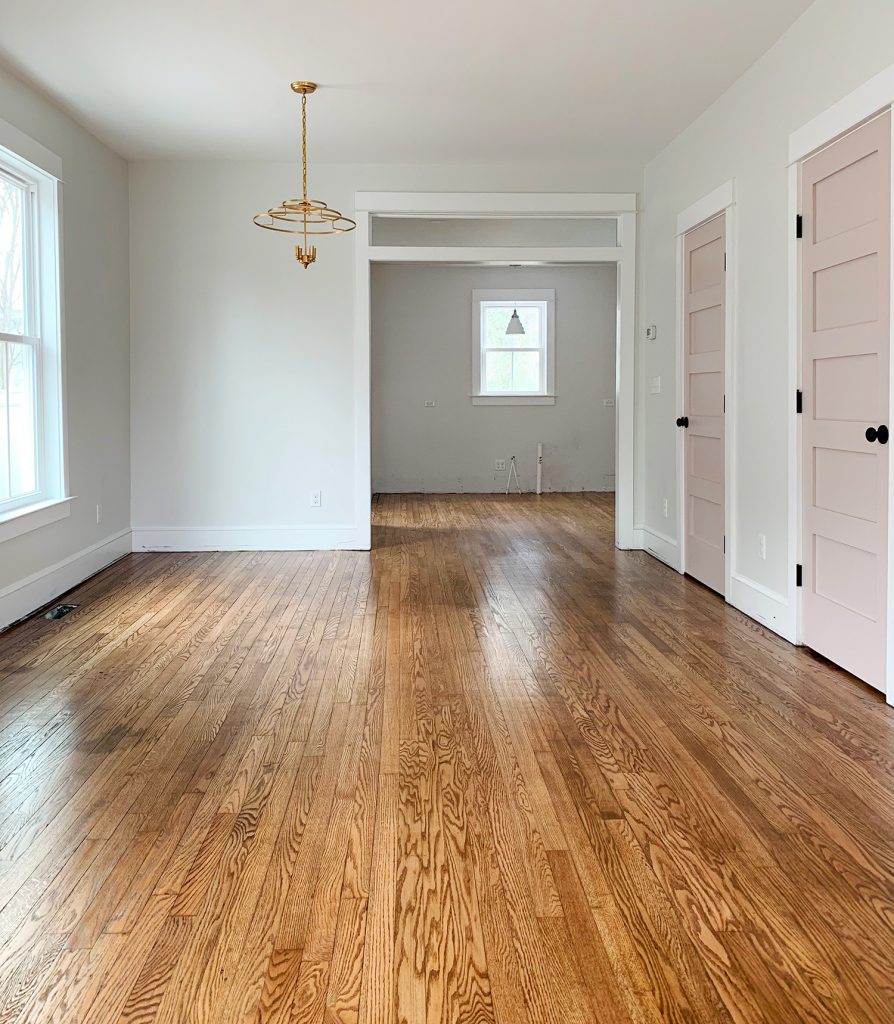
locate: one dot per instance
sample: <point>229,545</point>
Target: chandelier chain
<point>304,143</point>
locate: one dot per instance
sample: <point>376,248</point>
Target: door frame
<point>720,201</point>
<point>866,102</point>
<point>507,205</point>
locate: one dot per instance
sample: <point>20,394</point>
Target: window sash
<point>15,501</point>
<point>540,348</point>
<point>30,338</point>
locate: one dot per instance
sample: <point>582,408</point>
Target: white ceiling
<point>404,80</point>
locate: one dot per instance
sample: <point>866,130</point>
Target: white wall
<point>422,349</point>
<point>242,361</point>
<point>97,353</point>
<point>834,47</point>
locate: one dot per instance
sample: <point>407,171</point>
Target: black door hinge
<point>724,261</point>
<point>799,226</point>
<point>799,401</point>
<point>799,573</point>
<point>724,544</point>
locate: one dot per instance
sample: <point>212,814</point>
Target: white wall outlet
<point>609,403</point>
<point>665,508</point>
<point>655,385</point>
<point>651,332</point>
<point>98,514</point>
<point>316,499</point>
<point>500,465</point>
<point>429,403</point>
<point>762,545</point>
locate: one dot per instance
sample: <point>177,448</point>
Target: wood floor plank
<point>494,771</point>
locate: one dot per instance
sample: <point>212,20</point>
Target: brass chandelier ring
<point>299,217</point>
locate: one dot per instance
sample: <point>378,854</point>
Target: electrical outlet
<point>98,514</point>
<point>655,385</point>
<point>609,403</point>
<point>429,403</point>
<point>316,499</point>
<point>762,545</point>
<point>665,508</point>
<point>500,465</point>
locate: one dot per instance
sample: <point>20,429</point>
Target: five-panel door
<point>704,321</point>
<point>845,325</point>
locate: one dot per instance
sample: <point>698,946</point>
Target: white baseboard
<point>758,602</point>
<point>25,596</point>
<point>248,538</point>
<point>767,606</point>
<point>659,545</point>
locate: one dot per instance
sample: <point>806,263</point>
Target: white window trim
<point>33,517</point>
<point>515,296</point>
<point>42,170</point>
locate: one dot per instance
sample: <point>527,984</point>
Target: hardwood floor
<point>494,771</point>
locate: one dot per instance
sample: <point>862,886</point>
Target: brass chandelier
<point>305,216</point>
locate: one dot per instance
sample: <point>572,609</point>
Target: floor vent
<point>60,611</point>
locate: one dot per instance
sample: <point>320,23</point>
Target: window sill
<point>33,517</point>
<point>513,399</point>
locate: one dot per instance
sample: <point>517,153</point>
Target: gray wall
<point>422,350</point>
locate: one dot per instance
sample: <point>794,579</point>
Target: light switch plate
<point>655,385</point>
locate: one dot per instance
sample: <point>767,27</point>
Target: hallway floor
<point>496,770</point>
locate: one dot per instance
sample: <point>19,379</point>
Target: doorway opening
<point>526,232</point>
<point>456,396</point>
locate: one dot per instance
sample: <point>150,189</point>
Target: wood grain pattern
<point>492,772</point>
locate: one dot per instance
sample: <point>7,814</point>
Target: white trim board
<point>660,546</point>
<point>864,102</point>
<point>487,204</point>
<point>15,141</point>
<point>707,207</point>
<point>33,517</point>
<point>495,255</point>
<point>22,598</point>
<point>766,606</point>
<point>248,538</point>
<point>494,204</point>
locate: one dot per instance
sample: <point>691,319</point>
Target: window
<point>513,367</point>
<point>30,365</point>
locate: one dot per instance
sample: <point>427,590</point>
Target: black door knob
<point>682,421</point>
<point>871,434</point>
<point>880,434</point>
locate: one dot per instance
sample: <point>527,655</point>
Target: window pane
<point>12,282</point>
<point>496,320</point>
<point>525,371</point>
<point>498,371</point>
<point>20,400</point>
<point>4,423</point>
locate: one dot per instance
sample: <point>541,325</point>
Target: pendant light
<point>515,325</point>
<point>305,216</point>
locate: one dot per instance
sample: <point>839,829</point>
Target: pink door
<point>704,273</point>
<point>845,267</point>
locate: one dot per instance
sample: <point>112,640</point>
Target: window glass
<point>12,256</point>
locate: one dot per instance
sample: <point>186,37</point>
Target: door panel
<point>845,268</point>
<point>703,370</point>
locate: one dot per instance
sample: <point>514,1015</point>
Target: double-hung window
<point>31,466</point>
<point>513,355</point>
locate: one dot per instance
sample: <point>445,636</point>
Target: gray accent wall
<point>422,351</point>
